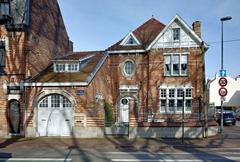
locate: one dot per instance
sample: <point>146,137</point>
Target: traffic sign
<point>222,82</point>
<point>222,92</point>
<point>223,73</point>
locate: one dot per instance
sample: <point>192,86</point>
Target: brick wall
<point>29,52</point>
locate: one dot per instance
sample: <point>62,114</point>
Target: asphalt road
<point>221,148</point>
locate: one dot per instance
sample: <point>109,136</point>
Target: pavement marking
<point>33,159</point>
<point>155,160</point>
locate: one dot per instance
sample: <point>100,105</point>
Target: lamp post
<point>222,20</point>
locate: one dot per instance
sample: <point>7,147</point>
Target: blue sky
<point>97,24</point>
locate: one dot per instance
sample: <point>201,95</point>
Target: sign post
<point>222,93</point>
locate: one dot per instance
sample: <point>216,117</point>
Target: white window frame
<point>67,68</point>
<point>176,32</point>
<point>166,109</point>
<point>180,62</point>
<point>60,102</point>
<point>133,68</point>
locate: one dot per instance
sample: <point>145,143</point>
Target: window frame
<point>170,56</point>
<point>68,67</point>
<point>55,101</point>
<point>132,70</point>
<point>176,34</point>
<point>176,97</point>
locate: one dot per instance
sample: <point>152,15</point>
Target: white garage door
<point>55,116</point>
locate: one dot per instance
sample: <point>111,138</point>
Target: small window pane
<point>44,103</point>
<point>167,65</point>
<point>188,105</point>
<point>66,103</point>
<point>189,92</point>
<point>163,93</point>
<point>163,106</point>
<point>179,105</point>
<point>184,64</point>
<point>175,62</point>
<point>180,93</point>
<point>55,101</point>
<point>171,93</point>
<point>171,105</point>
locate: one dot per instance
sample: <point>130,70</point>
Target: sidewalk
<point>26,145</point>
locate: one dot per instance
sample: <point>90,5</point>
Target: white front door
<point>55,116</point>
<point>124,110</point>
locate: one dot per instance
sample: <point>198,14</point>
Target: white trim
<point>124,41</point>
<point>177,18</point>
<point>127,51</point>
<point>97,67</point>
<point>85,58</point>
<point>176,53</point>
<point>52,84</point>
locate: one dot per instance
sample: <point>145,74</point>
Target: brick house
<point>31,34</point>
<point>137,87</point>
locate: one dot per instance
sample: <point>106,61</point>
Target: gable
<point>130,40</point>
<point>188,37</point>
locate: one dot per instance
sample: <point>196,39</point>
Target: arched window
<point>55,101</point>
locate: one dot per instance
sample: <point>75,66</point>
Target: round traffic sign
<point>222,82</point>
<point>222,92</point>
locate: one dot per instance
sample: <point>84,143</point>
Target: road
<point>220,148</point>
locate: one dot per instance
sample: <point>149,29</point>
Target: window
<point>175,65</point>
<point>188,92</point>
<point>172,100</point>
<point>167,65</point>
<point>66,103</point>
<point>180,93</point>
<point>55,101</point>
<point>176,34</point>
<point>72,67</point>
<point>44,103</point>
<point>163,93</point>
<point>171,93</point>
<point>60,67</point>
<point>66,67</point>
<point>129,68</point>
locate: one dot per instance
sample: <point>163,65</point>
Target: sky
<point>97,24</point>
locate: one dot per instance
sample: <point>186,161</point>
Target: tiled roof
<point>48,75</point>
<point>79,55</point>
<point>145,33</point>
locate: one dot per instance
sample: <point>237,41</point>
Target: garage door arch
<point>54,115</point>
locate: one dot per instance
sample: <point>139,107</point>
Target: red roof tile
<point>145,33</point>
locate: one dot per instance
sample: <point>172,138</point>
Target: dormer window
<point>176,34</point>
<point>66,67</point>
<point>131,41</point>
<point>60,67</point>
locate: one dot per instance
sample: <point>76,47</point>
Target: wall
<point>29,52</point>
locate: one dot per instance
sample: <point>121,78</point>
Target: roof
<point>76,56</point>
<point>145,33</point>
<point>85,74</point>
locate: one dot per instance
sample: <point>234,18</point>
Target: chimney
<point>197,28</point>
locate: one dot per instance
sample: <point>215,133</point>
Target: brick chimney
<point>197,28</point>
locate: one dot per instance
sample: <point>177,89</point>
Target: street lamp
<point>222,20</point>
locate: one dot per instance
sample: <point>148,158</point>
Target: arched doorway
<point>55,116</point>
<point>124,110</point>
<point>14,116</point>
